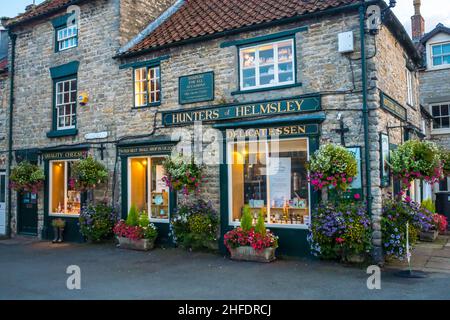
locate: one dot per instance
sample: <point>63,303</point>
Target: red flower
<point>340,240</point>
<point>357,196</point>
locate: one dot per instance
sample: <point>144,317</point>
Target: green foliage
<point>97,222</point>
<point>58,223</point>
<point>144,221</point>
<point>195,226</point>
<point>246,219</point>
<point>260,227</point>
<point>133,217</point>
<point>27,177</point>
<point>88,173</point>
<point>429,205</point>
<point>182,174</point>
<point>445,157</point>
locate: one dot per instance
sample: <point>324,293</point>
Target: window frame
<point>149,181</point>
<point>410,99</point>
<point>432,56</point>
<point>55,126</point>
<point>231,223</point>
<point>58,41</point>
<point>439,130</point>
<point>276,64</point>
<point>50,174</point>
<point>147,81</point>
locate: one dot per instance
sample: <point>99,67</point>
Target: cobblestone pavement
<point>37,270</point>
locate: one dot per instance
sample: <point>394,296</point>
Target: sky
<point>434,11</point>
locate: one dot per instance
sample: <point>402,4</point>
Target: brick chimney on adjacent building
<point>417,22</point>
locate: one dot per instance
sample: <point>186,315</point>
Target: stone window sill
<point>62,133</point>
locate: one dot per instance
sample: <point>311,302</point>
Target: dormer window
<point>440,54</point>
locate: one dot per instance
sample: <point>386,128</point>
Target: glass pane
<point>138,183</point>
<point>57,187</point>
<point>436,110</point>
<point>445,123</point>
<point>249,78</point>
<point>446,59</point>
<point>436,123</point>
<point>285,72</point>
<point>288,183</point>
<point>285,51</point>
<point>267,75</point>
<point>2,188</point>
<point>73,196</point>
<point>437,50</point>
<point>444,110</point>
<point>437,61</point>
<point>159,192</point>
<point>446,48</point>
<point>248,58</point>
<point>266,55</point>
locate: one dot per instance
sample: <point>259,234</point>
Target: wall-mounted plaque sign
<point>393,107</point>
<point>196,88</point>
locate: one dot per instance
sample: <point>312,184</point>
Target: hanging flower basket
<point>417,160</point>
<point>182,174</point>
<point>87,174</point>
<point>445,157</point>
<point>27,177</point>
<point>332,166</point>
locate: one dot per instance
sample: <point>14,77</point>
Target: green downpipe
<point>10,140</point>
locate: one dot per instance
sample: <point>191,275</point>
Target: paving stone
<point>438,265</point>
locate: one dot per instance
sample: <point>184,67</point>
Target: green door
<point>28,214</point>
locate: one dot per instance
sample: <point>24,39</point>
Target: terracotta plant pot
<point>140,245</point>
<point>250,254</point>
<point>429,236</point>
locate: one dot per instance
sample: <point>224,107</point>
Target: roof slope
<point>439,28</point>
<point>42,9</point>
<point>198,18</point>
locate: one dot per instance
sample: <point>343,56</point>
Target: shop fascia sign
<point>65,155</point>
<point>150,149</point>
<point>393,107</point>
<point>284,131</point>
<point>243,110</point>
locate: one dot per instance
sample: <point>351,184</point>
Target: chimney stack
<point>417,22</point>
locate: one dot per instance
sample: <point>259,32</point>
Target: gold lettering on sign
<point>264,132</point>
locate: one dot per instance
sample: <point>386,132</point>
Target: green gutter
<point>10,140</point>
<point>297,18</point>
<point>362,15</point>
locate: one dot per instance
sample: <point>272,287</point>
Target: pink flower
<point>340,240</point>
<point>357,196</point>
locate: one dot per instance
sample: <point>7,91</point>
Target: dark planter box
<point>140,245</point>
<point>250,254</point>
<point>429,236</point>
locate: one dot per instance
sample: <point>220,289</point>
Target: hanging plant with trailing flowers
<point>332,165</point>
<point>417,160</point>
<point>182,174</point>
<point>26,177</point>
<point>87,174</point>
<point>445,157</point>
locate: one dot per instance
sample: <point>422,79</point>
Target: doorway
<point>2,203</point>
<point>27,220</point>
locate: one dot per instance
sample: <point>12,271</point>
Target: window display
<point>272,177</point>
<point>63,198</point>
<point>267,65</point>
<point>147,190</point>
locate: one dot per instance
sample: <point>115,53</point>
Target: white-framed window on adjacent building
<point>440,54</point>
<point>66,103</point>
<point>267,65</point>
<point>441,117</point>
<point>147,191</point>
<point>67,37</point>
<point>410,87</point>
<point>64,199</point>
<point>147,86</point>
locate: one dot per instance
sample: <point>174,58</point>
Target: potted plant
<point>248,243</point>
<point>58,230</point>
<point>87,174</point>
<point>417,160</point>
<point>182,174</point>
<point>341,231</point>
<point>397,215</point>
<point>441,223</point>
<point>432,233</point>
<point>195,226</point>
<point>26,177</point>
<point>97,222</point>
<point>332,166</point>
<point>136,233</point>
<point>445,157</point>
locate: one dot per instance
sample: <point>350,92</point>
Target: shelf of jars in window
<point>289,215</point>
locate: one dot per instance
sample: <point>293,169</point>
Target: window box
<point>267,65</point>
<point>140,245</point>
<point>247,253</point>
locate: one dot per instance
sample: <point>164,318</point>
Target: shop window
<point>147,86</point>
<point>267,65</point>
<point>441,116</point>
<point>66,103</point>
<point>63,198</point>
<point>66,37</point>
<point>270,176</point>
<point>146,188</point>
<point>440,54</point>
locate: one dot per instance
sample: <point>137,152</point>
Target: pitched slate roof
<point>439,28</point>
<point>196,18</point>
<point>46,7</point>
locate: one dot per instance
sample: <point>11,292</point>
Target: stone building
<point>295,70</point>
<point>435,78</point>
